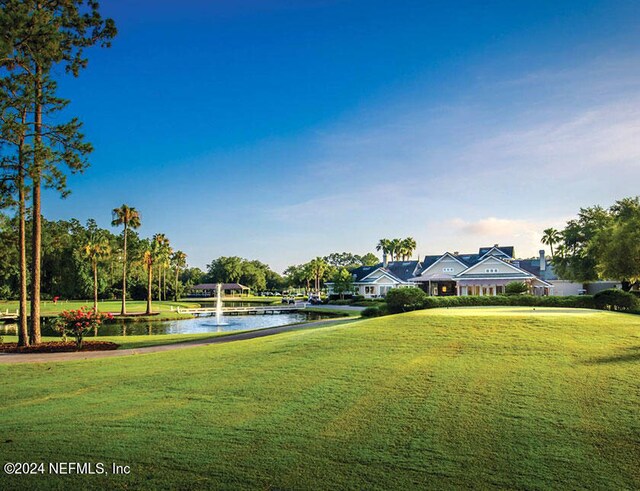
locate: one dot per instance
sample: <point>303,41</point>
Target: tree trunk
<point>36,258</point>
<point>123,310</point>
<point>95,285</point>
<point>164,283</point>
<point>159,283</point>
<point>149,282</point>
<point>23,330</point>
<point>176,286</point>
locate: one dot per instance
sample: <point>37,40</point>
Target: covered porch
<point>437,285</point>
<point>492,287</point>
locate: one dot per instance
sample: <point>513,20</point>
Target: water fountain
<point>219,305</point>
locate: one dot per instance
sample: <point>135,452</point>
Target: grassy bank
<point>444,398</point>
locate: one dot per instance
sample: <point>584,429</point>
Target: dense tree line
<point>76,254</point>
<point>310,276</point>
<point>599,244</point>
<point>252,273</point>
<point>335,267</point>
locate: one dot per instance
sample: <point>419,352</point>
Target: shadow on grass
<point>630,355</point>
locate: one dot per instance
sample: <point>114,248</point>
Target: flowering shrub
<point>79,322</point>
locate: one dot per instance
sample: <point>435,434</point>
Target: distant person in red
<point>55,299</point>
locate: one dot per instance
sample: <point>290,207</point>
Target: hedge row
<point>408,299</point>
<point>581,301</point>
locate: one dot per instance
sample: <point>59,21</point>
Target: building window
<point>491,270</point>
<point>447,270</point>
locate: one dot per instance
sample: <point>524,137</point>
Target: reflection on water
<point>188,326</point>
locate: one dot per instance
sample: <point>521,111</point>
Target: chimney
<point>495,245</point>
<point>384,260</point>
<point>543,261</point>
<point>455,253</point>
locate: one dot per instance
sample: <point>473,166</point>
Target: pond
<point>191,326</point>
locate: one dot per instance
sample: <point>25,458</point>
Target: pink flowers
<point>79,322</point>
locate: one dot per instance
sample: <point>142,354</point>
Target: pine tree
<point>35,37</point>
<point>14,102</point>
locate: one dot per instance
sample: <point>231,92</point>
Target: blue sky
<point>283,130</point>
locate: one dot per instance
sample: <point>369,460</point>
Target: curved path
<point>6,358</point>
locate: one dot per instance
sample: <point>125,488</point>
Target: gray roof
<point>527,266</point>
<point>362,271</point>
<point>533,267</point>
<point>468,259</point>
<point>429,260</point>
<point>508,250</point>
<point>402,270</point>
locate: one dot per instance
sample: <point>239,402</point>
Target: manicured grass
<point>48,308</point>
<point>445,398</point>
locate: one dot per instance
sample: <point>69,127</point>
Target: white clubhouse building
<point>484,273</point>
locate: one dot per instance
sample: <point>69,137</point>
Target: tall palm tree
<point>95,250</point>
<point>148,261</point>
<point>408,246</point>
<point>179,261</point>
<point>319,267</point>
<point>395,248</point>
<point>551,237</point>
<point>306,275</point>
<point>384,245</point>
<point>163,257</point>
<point>129,217</point>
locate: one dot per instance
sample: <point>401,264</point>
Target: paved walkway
<point>6,358</point>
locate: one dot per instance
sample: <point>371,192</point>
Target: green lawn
<point>444,398</point>
<point>48,308</point>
